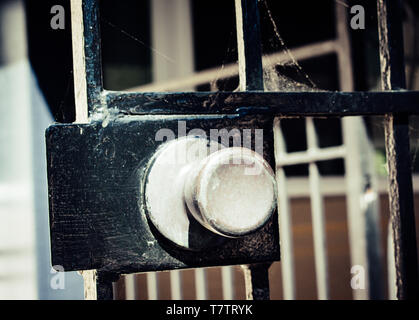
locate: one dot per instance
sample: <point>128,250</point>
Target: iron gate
<point>396,104</point>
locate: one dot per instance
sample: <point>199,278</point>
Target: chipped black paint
<point>96,175</point>
<point>303,104</point>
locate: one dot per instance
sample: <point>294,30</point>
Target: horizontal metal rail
<point>268,103</point>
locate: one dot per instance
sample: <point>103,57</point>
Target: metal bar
<point>319,104</point>
<point>78,25</point>
<point>309,51</point>
<point>303,157</point>
<point>201,289</point>
<point>227,280</point>
<point>79,62</point>
<point>92,53</point>
<point>256,278</point>
<point>249,45</point>
<point>251,78</point>
<point>398,152</point>
<point>318,219</point>
<point>104,285</point>
<point>284,213</point>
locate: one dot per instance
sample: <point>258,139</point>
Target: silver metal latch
<point>229,191</point>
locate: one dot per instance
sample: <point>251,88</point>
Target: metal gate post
<point>251,78</point>
<point>87,88</point>
<point>104,285</point>
<point>68,242</point>
<point>398,152</point>
<point>256,278</point>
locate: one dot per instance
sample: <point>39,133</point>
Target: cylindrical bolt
<point>231,192</point>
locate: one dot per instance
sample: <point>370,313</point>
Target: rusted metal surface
<point>398,152</point>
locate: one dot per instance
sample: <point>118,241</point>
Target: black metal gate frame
<point>394,102</point>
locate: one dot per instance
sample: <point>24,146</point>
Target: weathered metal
<point>398,152</point>
<point>164,192</point>
<point>256,278</point>
<point>231,192</point>
<point>228,191</point>
<point>249,45</point>
<point>295,104</point>
<point>96,170</point>
<point>96,181</point>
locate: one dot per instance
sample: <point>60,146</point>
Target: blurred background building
<point>187,45</point>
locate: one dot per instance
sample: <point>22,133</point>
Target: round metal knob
<point>231,192</point>
<point>198,192</point>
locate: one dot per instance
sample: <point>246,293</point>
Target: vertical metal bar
<point>130,287</point>
<point>201,289</point>
<point>285,223</point>
<point>176,285</point>
<point>92,53</point>
<point>248,45</point>
<point>104,290</point>
<point>398,152</point>
<point>227,280</point>
<point>78,26</point>
<point>251,78</point>
<point>318,219</point>
<point>104,285</point>
<point>362,198</point>
<point>256,278</point>
<point>152,286</point>
<point>79,61</point>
